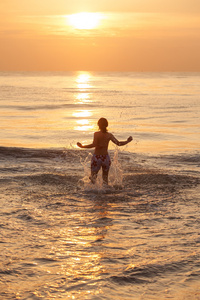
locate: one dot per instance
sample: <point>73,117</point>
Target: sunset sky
<point>115,35</point>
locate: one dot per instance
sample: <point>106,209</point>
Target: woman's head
<point>103,124</point>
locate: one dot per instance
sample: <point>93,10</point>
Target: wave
<point>18,152</point>
<point>69,170</point>
<point>61,106</point>
<point>147,272</point>
<point>190,158</point>
<point>61,173</point>
<point>70,154</point>
<point>45,107</point>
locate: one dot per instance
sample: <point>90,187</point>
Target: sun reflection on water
<point>80,249</point>
<point>83,83</point>
<point>83,98</point>
<point>82,113</point>
<point>83,122</point>
<point>83,77</point>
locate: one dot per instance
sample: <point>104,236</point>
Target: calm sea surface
<point>63,238</point>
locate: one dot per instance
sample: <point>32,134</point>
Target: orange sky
<point>132,35</point>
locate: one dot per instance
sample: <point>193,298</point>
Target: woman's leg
<point>105,176</point>
<point>105,169</point>
<point>93,176</point>
<point>95,167</point>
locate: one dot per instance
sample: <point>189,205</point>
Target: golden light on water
<point>75,247</point>
<point>83,98</point>
<point>83,128</point>
<point>82,113</point>
<point>83,83</point>
<point>83,86</point>
<point>83,77</point>
<point>83,124</point>
<point>84,20</point>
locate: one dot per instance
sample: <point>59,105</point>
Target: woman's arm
<point>89,145</point>
<point>122,143</point>
<point>86,146</point>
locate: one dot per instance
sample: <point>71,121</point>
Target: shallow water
<point>62,237</point>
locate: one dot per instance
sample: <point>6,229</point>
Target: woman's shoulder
<point>100,133</point>
<point>97,133</point>
<point>110,134</point>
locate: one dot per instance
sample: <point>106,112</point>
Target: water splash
<point>115,178</point>
<point>116,173</point>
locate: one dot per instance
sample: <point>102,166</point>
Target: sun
<point>85,20</point>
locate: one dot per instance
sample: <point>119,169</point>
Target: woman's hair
<point>103,124</point>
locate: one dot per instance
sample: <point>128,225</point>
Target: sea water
<point>62,237</point>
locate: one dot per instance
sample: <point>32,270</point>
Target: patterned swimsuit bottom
<point>99,161</point>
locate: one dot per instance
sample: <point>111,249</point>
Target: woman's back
<point>101,141</point>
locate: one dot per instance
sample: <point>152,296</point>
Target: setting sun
<point>84,20</point>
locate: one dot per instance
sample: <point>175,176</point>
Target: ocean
<point>62,237</point>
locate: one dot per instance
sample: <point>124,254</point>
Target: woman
<point>101,157</point>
